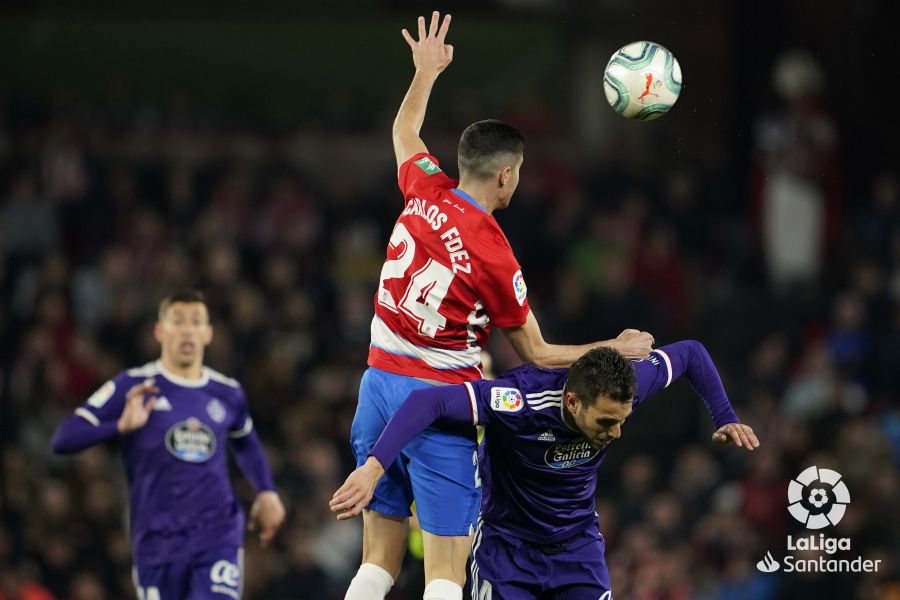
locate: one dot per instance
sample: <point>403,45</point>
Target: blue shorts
<point>437,468</point>
<point>505,567</point>
<point>216,574</point>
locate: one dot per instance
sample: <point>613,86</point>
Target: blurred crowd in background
<point>787,268</point>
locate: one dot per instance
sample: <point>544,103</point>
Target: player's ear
<point>157,332</point>
<point>571,400</point>
<point>504,175</point>
<point>209,335</point>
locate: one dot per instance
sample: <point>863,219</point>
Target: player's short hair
<point>486,145</point>
<point>602,371</point>
<point>190,295</point>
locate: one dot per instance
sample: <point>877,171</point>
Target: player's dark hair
<point>485,145</point>
<point>602,371</point>
<point>184,295</point>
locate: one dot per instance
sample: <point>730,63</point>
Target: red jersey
<point>450,275</point>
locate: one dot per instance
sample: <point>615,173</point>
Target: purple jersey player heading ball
<point>546,434</point>
<point>174,418</point>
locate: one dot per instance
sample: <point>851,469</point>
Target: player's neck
<point>479,193</point>
<point>192,371</point>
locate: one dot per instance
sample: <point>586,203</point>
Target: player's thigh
<point>393,494</point>
<point>218,574</point>
<point>384,541</point>
<point>443,470</point>
<point>170,581</point>
<point>580,572</point>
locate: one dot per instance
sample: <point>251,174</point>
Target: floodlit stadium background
<point>248,151</point>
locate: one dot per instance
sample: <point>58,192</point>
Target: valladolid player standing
<point>546,434</point>
<point>174,419</point>
<point>450,275</point>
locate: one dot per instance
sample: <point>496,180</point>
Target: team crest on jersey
<point>215,410</point>
<point>569,454</point>
<point>504,399</point>
<point>427,165</point>
<point>191,440</point>
<point>519,287</point>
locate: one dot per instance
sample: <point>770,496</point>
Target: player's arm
<point>98,421</point>
<point>690,359</point>
<point>430,56</point>
<point>529,344</point>
<point>267,512</point>
<point>421,408</point>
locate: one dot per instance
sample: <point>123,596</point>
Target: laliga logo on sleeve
<point>504,399</point>
<point>519,287</point>
<point>818,498</point>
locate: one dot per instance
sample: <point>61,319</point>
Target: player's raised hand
<point>632,343</point>
<point>739,434</point>
<point>356,493</point>
<point>266,515</point>
<point>137,411</point>
<point>430,53</point>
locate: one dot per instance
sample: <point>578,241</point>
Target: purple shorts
<point>505,567</point>
<point>210,575</point>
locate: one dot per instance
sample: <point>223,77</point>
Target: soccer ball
<point>642,81</point>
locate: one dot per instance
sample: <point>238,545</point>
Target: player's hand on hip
<point>430,53</point>
<point>266,515</point>
<point>137,410</point>
<point>356,493</point>
<point>632,343</point>
<point>737,433</point>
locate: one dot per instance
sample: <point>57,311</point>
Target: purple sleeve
<point>77,433</point>
<point>422,408</point>
<point>690,359</point>
<point>251,458</point>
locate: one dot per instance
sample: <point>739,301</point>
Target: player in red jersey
<point>450,275</point>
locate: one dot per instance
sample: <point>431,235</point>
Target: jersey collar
<point>183,381</point>
<point>468,199</point>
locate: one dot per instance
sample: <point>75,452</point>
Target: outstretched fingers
<point>422,33</point>
<point>445,26</point>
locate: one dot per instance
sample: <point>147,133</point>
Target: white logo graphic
<point>818,498</point>
<point>162,403</point>
<point>768,564</point>
<point>607,595</point>
<point>102,396</point>
<point>519,287</point>
<point>225,577</point>
<point>215,410</point>
<point>505,399</point>
<point>547,436</point>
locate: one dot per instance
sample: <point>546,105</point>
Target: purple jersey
<point>177,464</point>
<point>540,476</point>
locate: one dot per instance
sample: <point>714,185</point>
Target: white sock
<point>371,583</point>
<point>442,589</point>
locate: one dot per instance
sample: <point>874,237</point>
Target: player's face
<point>511,182</point>
<point>184,332</point>
<point>601,423</point>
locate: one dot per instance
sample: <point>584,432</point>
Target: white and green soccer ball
<point>642,81</point>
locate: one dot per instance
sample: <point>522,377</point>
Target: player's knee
<point>442,589</point>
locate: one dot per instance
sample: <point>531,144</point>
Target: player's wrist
<point>374,465</point>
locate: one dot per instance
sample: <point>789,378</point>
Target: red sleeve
<point>421,172</point>
<point>502,287</point>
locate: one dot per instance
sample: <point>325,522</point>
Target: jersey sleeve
<point>685,359</point>
<point>420,173</point>
<point>106,404</point>
<point>496,401</point>
<point>242,424</point>
<point>502,286</point>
